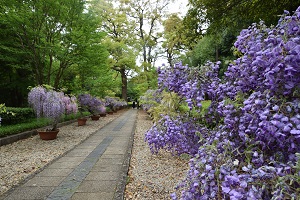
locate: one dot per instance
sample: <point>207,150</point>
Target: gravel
<point>152,176</point>
<point>23,158</point>
<point>149,177</point>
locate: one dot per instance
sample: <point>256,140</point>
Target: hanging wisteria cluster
<point>96,106</point>
<point>177,135</point>
<point>150,99</point>
<point>248,144</point>
<point>70,104</point>
<point>115,103</point>
<point>51,104</point>
<point>89,103</point>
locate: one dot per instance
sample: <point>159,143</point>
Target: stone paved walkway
<point>94,170</point>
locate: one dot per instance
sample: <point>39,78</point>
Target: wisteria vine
<point>249,146</point>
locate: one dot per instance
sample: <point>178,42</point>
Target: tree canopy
<point>41,41</point>
<point>100,46</point>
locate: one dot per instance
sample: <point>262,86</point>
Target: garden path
<point>95,169</point>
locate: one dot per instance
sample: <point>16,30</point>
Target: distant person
<point>133,104</point>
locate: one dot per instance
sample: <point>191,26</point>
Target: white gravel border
<point>152,176</point>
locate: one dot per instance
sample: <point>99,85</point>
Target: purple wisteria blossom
<point>247,143</point>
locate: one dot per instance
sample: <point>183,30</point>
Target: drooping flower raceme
<point>176,135</point>
<point>53,105</point>
<point>50,104</point>
<point>252,149</point>
<point>70,104</point>
<point>36,98</point>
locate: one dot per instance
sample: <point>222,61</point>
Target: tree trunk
<point>217,53</point>
<point>124,84</point>
<point>50,69</point>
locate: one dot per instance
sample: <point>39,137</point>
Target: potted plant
<point>115,103</point>
<point>50,104</point>
<point>71,105</point>
<point>94,108</point>
<point>83,104</point>
<point>109,111</point>
<point>110,103</point>
<point>91,104</point>
<point>102,111</point>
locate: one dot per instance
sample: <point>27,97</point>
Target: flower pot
<point>103,115</point>
<point>95,117</point>
<point>81,121</point>
<point>48,135</point>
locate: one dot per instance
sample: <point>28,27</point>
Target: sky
<point>179,6</point>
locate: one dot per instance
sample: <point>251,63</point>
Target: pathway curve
<point>95,169</point>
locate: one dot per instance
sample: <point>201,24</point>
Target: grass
<point>33,124</point>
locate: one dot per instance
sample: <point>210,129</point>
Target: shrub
<point>19,115</point>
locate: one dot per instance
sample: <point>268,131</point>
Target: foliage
<point>6,113</point>
<point>204,51</point>
<point>108,109</point>
<point>119,40</point>
<point>169,104</point>
<point>25,126</point>
<point>150,99</point>
<point>32,123</point>
<point>249,136</point>
<point>144,81</point>
<point>56,43</point>
<point>2,110</point>
<point>146,17</point>
<point>51,104</point>
<point>194,24</point>
<point>220,14</point>
<point>175,40</point>
<point>16,115</point>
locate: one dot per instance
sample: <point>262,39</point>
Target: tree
<point>53,33</point>
<point>237,14</point>
<point>194,23</point>
<point>119,41</point>
<point>147,16</point>
<point>175,41</point>
<point>220,21</point>
<point>48,39</point>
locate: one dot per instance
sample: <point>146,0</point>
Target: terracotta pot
<point>95,117</point>
<point>48,135</point>
<point>103,115</point>
<point>81,121</point>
